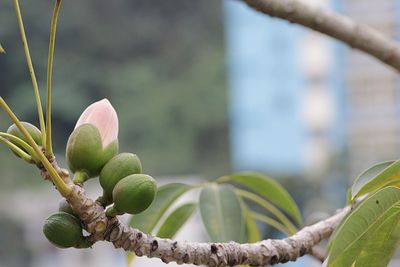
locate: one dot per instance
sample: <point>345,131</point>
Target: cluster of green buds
<point>92,150</point>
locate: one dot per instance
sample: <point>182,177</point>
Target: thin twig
<point>356,35</point>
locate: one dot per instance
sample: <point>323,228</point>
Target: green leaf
<point>222,214</point>
<point>271,222</point>
<point>382,244</point>
<point>252,231</point>
<point>362,227</point>
<point>269,189</point>
<point>376,177</point>
<point>284,224</point>
<point>176,220</point>
<point>166,195</point>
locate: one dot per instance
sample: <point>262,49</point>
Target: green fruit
<point>64,206</point>
<point>85,152</point>
<point>134,193</point>
<point>118,167</point>
<point>63,230</point>
<point>32,130</point>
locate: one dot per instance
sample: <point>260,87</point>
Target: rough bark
<point>356,35</point>
<point>271,251</point>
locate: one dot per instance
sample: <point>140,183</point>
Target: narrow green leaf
<point>382,244</point>
<point>271,222</point>
<point>166,195</point>
<point>130,256</point>
<point>269,189</point>
<point>222,214</point>
<point>253,233</point>
<point>376,177</point>
<point>289,227</point>
<point>176,220</point>
<point>353,235</point>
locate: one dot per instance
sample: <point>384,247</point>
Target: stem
<point>61,186</point>
<point>22,154</point>
<point>18,141</point>
<point>31,71</point>
<point>104,200</point>
<point>84,243</point>
<point>268,206</point>
<point>112,211</point>
<point>272,222</point>
<point>53,30</point>
<point>80,177</point>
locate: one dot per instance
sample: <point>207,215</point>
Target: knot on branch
<point>91,213</point>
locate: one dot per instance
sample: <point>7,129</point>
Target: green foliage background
<point>161,64</point>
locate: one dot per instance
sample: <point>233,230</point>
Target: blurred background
<point>202,89</point>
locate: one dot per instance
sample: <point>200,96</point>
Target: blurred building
<point>286,95</point>
<point>372,94</point>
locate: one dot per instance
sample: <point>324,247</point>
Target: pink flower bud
<point>93,142</point>
<point>102,115</point>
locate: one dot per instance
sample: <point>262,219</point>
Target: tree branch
<point>265,252</point>
<point>358,36</point>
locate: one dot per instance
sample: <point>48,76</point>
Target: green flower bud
<point>63,230</point>
<point>133,194</point>
<point>32,130</point>
<point>85,152</point>
<point>94,140</point>
<point>118,167</point>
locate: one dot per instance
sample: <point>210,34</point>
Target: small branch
<point>262,253</point>
<point>318,253</point>
<point>358,36</point>
<point>265,252</point>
